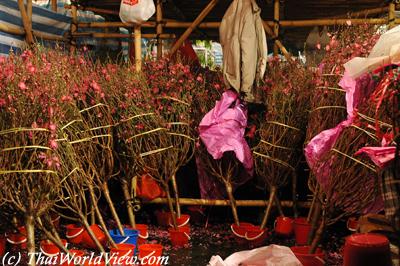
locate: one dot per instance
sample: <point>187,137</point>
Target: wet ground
<point>218,240</point>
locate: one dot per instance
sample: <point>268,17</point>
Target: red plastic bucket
<point>99,234</point>
<point>49,249</point>
<point>179,237</point>
<point>284,226</point>
<point>240,231</point>
<point>352,224</point>
<point>256,236</point>
<point>18,240</point>
<point>143,230</point>
<point>74,233</point>
<point>316,259</point>
<point>150,254</point>
<point>301,230</point>
<point>122,254</point>
<point>180,221</point>
<point>367,250</point>
<point>3,242</point>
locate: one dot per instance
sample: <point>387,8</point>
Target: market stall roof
<point>188,10</point>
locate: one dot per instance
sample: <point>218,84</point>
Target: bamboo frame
<point>159,28</point>
<point>54,5</point>
<point>224,203</point>
<point>276,24</point>
<point>215,25</point>
<point>26,23</point>
<point>392,15</point>
<point>94,9</point>
<point>120,35</point>
<point>138,48</point>
<point>74,26</point>
<point>193,26</point>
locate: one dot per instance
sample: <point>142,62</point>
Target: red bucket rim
<point>367,240</point>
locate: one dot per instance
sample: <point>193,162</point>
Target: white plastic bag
<point>136,11</point>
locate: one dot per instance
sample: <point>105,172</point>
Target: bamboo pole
<point>74,27</point>
<point>159,28</point>
<point>276,25</point>
<point>47,37</point>
<point>29,12</point>
<point>120,35</point>
<point>331,22</point>
<point>224,203</point>
<point>370,12</point>
<point>278,43</point>
<point>94,9</point>
<point>138,48</point>
<point>11,29</point>
<point>54,5</point>
<point>195,23</point>
<point>215,25</point>
<point>115,24</point>
<point>392,15</point>
<point>269,207</point>
<point>25,22</point>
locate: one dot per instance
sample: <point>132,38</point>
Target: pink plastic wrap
<point>222,129</point>
<point>320,145</point>
<point>381,156</point>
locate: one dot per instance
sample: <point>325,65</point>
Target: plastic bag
<point>272,255</point>
<point>148,189</point>
<point>136,11</point>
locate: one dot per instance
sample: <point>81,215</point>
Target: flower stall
<point>156,160</point>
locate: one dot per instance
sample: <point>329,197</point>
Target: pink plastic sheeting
<point>381,156</point>
<point>356,91</point>
<point>222,129</point>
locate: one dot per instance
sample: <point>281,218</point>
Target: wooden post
<point>25,22</point>
<point>74,27</point>
<point>276,25</point>
<point>392,14</point>
<point>138,48</point>
<point>54,5</point>
<point>159,29</point>
<point>278,42</point>
<point>195,23</point>
<point>29,12</point>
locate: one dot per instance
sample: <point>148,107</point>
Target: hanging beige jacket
<point>244,47</point>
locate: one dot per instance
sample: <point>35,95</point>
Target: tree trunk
<point>269,207</point>
<point>30,234</point>
<point>92,235</point>
<point>232,200</point>
<point>128,200</point>
<point>176,194</point>
<point>100,217</point>
<point>106,193</point>
<point>317,237</point>
<point>171,206</point>
<point>314,220</point>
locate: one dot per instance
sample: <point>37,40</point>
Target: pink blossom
<point>22,85</point>
<point>2,102</point>
<point>348,22</point>
<point>53,144</point>
<point>34,125</point>
<point>199,79</point>
<point>52,127</point>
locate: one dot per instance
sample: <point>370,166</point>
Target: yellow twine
<point>154,151</point>
<point>281,124</point>
<point>354,159</point>
<point>275,160</point>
